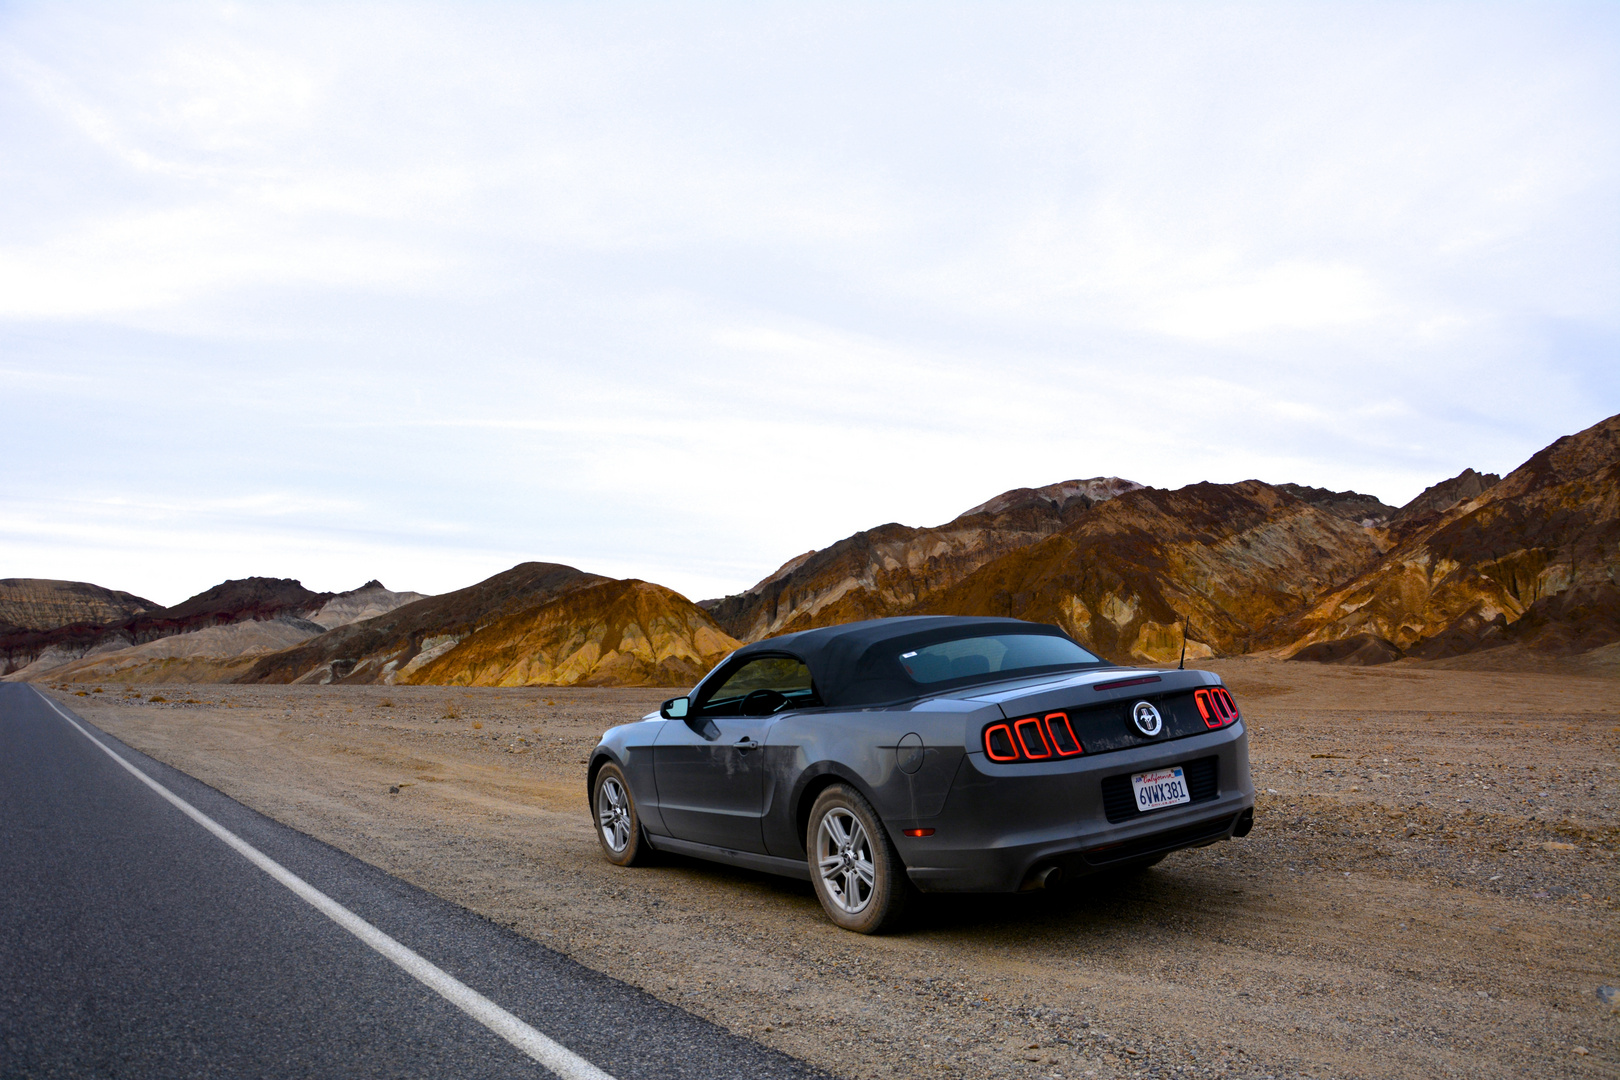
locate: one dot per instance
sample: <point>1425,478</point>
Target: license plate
<point>1161,788</point>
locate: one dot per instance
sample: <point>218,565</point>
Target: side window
<point>784,680</point>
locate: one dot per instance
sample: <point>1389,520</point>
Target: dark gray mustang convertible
<point>939,754</point>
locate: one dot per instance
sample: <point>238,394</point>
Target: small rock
<point>393,789</point>
<point>1609,995</point>
<point>1558,845</point>
<point>1581,1050</point>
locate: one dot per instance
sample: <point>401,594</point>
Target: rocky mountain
<point>1530,560</point>
<point>1438,498</point>
<point>1473,562</point>
<point>1113,562</point>
<point>1060,495</point>
<point>366,602</point>
<point>1231,559</point>
<point>1476,565</point>
<point>1350,505</point>
<point>300,613</point>
<point>536,624</point>
<point>893,568</point>
<point>43,604</point>
<point>614,633</point>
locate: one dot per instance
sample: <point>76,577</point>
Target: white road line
<point>553,1055</point>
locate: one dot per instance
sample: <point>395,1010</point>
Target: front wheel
<point>618,826</point>
<point>858,877</point>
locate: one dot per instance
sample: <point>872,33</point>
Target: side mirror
<point>675,708</point>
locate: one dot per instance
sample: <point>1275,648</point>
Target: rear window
<point>991,654</point>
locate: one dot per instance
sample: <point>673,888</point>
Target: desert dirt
<point>1430,888</point>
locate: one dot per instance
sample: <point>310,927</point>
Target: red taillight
<point>998,743</point>
<point>1032,738</point>
<point>918,832</point>
<point>1216,706</point>
<point>1063,740</point>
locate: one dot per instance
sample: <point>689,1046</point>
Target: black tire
<point>618,826</point>
<point>863,886</point>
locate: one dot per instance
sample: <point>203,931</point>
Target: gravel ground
<point>1430,888</point>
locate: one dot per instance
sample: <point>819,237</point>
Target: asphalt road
<point>136,942</point>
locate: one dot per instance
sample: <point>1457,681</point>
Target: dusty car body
<point>979,771</point>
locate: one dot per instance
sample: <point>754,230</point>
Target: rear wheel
<point>858,877</point>
<point>618,827</point>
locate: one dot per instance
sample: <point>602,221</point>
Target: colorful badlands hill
<point>536,624</point>
<point>1471,565</point>
<point>1476,569</point>
<point>211,637</point>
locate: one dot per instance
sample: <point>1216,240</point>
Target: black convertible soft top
<point>858,663</point>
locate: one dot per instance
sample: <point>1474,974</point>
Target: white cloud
<point>694,289</point>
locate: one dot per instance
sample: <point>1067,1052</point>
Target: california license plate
<point>1161,788</point>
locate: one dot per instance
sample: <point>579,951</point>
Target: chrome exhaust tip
<point>1045,877</point>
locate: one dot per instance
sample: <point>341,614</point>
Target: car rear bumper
<point>1003,824</point>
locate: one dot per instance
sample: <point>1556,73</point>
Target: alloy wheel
<point>613,814</point>
<point>844,856</point>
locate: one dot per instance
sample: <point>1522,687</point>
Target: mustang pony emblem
<point>1146,718</point>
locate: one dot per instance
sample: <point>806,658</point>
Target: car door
<point>711,779</point>
<point>710,767</point>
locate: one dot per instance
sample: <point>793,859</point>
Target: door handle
<point>746,743</point>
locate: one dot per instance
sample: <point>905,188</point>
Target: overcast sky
<point>677,292</point>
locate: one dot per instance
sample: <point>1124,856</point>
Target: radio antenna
<point>1183,665</point>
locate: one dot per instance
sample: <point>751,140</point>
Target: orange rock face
<point>1231,558</point>
<point>1119,573</point>
<point>616,633</point>
<point>893,569</point>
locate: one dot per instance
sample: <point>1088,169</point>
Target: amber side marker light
<point>918,832</point>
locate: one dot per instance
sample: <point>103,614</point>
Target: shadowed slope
<point>45,604</point>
